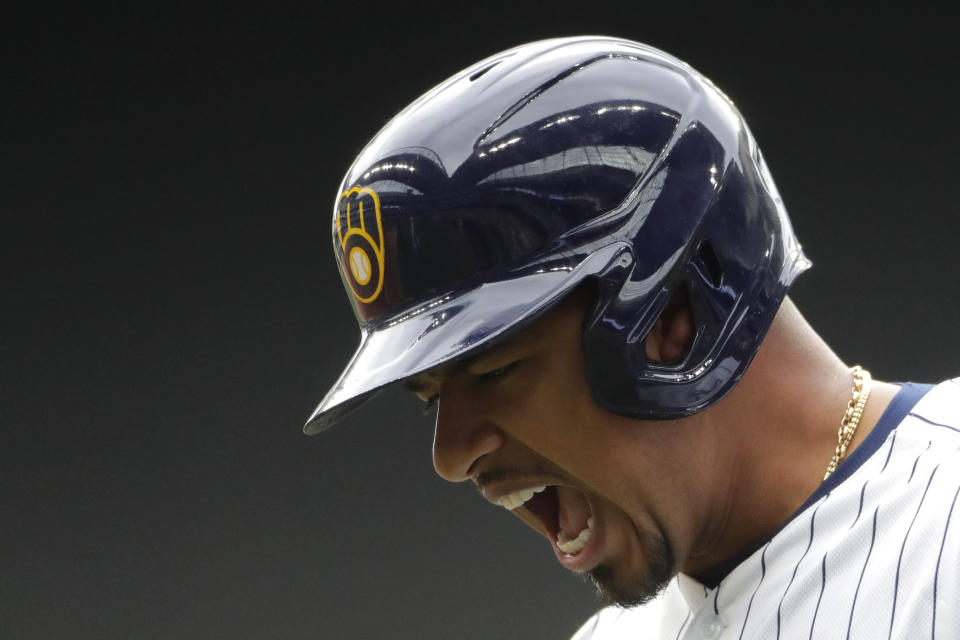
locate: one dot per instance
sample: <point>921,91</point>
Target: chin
<point>630,589</point>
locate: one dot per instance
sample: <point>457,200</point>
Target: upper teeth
<point>573,546</point>
<point>513,500</point>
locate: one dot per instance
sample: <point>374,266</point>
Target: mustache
<point>504,474</point>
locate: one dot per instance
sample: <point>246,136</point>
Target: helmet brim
<point>448,328</point>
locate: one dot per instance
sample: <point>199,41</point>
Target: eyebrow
<point>416,385</point>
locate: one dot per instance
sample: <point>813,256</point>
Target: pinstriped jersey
<point>873,553</point>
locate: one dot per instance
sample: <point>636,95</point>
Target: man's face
<point>611,494</point>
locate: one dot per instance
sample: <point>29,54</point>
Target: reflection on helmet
<point>499,191</point>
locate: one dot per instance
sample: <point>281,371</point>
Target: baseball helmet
<point>496,193</point>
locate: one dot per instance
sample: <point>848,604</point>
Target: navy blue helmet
<point>496,193</point>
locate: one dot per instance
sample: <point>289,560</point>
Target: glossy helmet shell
<point>492,196</point>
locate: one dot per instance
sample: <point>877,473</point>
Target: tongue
<point>573,512</point>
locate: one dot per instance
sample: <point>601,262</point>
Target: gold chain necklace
<point>851,417</point>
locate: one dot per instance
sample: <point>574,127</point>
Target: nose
<point>463,434</point>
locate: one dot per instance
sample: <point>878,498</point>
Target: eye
<point>496,374</point>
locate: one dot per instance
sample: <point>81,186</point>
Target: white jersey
<point>873,553</point>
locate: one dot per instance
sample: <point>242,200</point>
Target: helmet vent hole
<point>711,266</point>
<point>479,73</point>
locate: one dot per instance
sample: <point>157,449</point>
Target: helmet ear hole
<point>671,336</point>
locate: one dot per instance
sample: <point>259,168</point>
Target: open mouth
<point>563,514</point>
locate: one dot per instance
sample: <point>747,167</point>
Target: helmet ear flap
<point>734,276</point>
<point>614,336</point>
<point>627,379</point>
<point>623,376</point>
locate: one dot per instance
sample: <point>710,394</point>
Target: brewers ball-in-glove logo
<point>361,242</point>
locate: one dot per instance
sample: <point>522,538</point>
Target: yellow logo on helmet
<point>360,233</point>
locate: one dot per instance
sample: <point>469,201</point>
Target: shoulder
<point>921,417</point>
<point>933,424</point>
<point>940,407</point>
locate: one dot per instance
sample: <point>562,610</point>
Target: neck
<point>786,411</point>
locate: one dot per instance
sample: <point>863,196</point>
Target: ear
<point>672,333</point>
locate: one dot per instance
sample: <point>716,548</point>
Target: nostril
<point>484,441</point>
<point>457,451</point>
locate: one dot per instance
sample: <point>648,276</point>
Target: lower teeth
<point>573,546</point>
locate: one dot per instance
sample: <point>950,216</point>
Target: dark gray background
<point>171,311</point>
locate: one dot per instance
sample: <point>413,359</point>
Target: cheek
<point>553,413</point>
